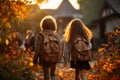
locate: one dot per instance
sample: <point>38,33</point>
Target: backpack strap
<point>42,34</point>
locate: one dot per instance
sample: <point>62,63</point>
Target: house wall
<point>96,37</point>
<point>112,24</point>
<point>102,26</point>
<point>62,23</point>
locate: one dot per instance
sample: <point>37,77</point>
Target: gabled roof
<point>64,10</point>
<point>114,4</point>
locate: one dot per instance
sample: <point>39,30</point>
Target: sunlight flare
<point>33,1</point>
<point>51,4</point>
<point>75,4</point>
<point>54,4</point>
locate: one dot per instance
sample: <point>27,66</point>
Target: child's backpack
<point>51,48</point>
<point>81,50</point>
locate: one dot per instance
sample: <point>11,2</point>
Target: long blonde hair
<point>76,27</point>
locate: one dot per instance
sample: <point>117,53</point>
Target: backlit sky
<point>54,4</point>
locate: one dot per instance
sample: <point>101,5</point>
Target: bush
<point>12,67</point>
<point>108,65</point>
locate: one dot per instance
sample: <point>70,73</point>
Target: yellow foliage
<point>60,73</point>
<point>117,31</point>
<point>31,64</point>
<point>104,67</point>
<point>30,59</point>
<point>108,64</point>
<point>25,62</point>
<point>7,25</point>
<point>7,41</point>
<point>113,66</point>
<point>101,50</point>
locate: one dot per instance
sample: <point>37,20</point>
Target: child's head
<point>76,27</point>
<point>48,23</point>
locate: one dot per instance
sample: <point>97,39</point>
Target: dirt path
<point>62,72</point>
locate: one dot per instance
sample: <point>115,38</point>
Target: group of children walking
<point>49,48</point>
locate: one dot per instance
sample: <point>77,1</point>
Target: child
<point>76,28</point>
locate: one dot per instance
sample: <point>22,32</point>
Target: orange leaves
<point>37,67</point>
<point>118,61</point>
<point>7,41</point>
<point>102,50</point>
<point>12,67</point>
<point>7,56</point>
<point>109,67</point>
<point>29,61</point>
<point>108,64</point>
<point>31,64</point>
<point>12,8</point>
<point>66,73</point>
<point>118,30</point>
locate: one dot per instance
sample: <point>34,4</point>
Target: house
<point>109,19</point>
<point>100,16</point>
<point>63,14</point>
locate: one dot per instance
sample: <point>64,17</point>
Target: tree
<point>11,11</point>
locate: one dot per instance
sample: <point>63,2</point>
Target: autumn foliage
<point>12,13</point>
<point>11,9</point>
<point>108,64</point>
<point>17,64</point>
